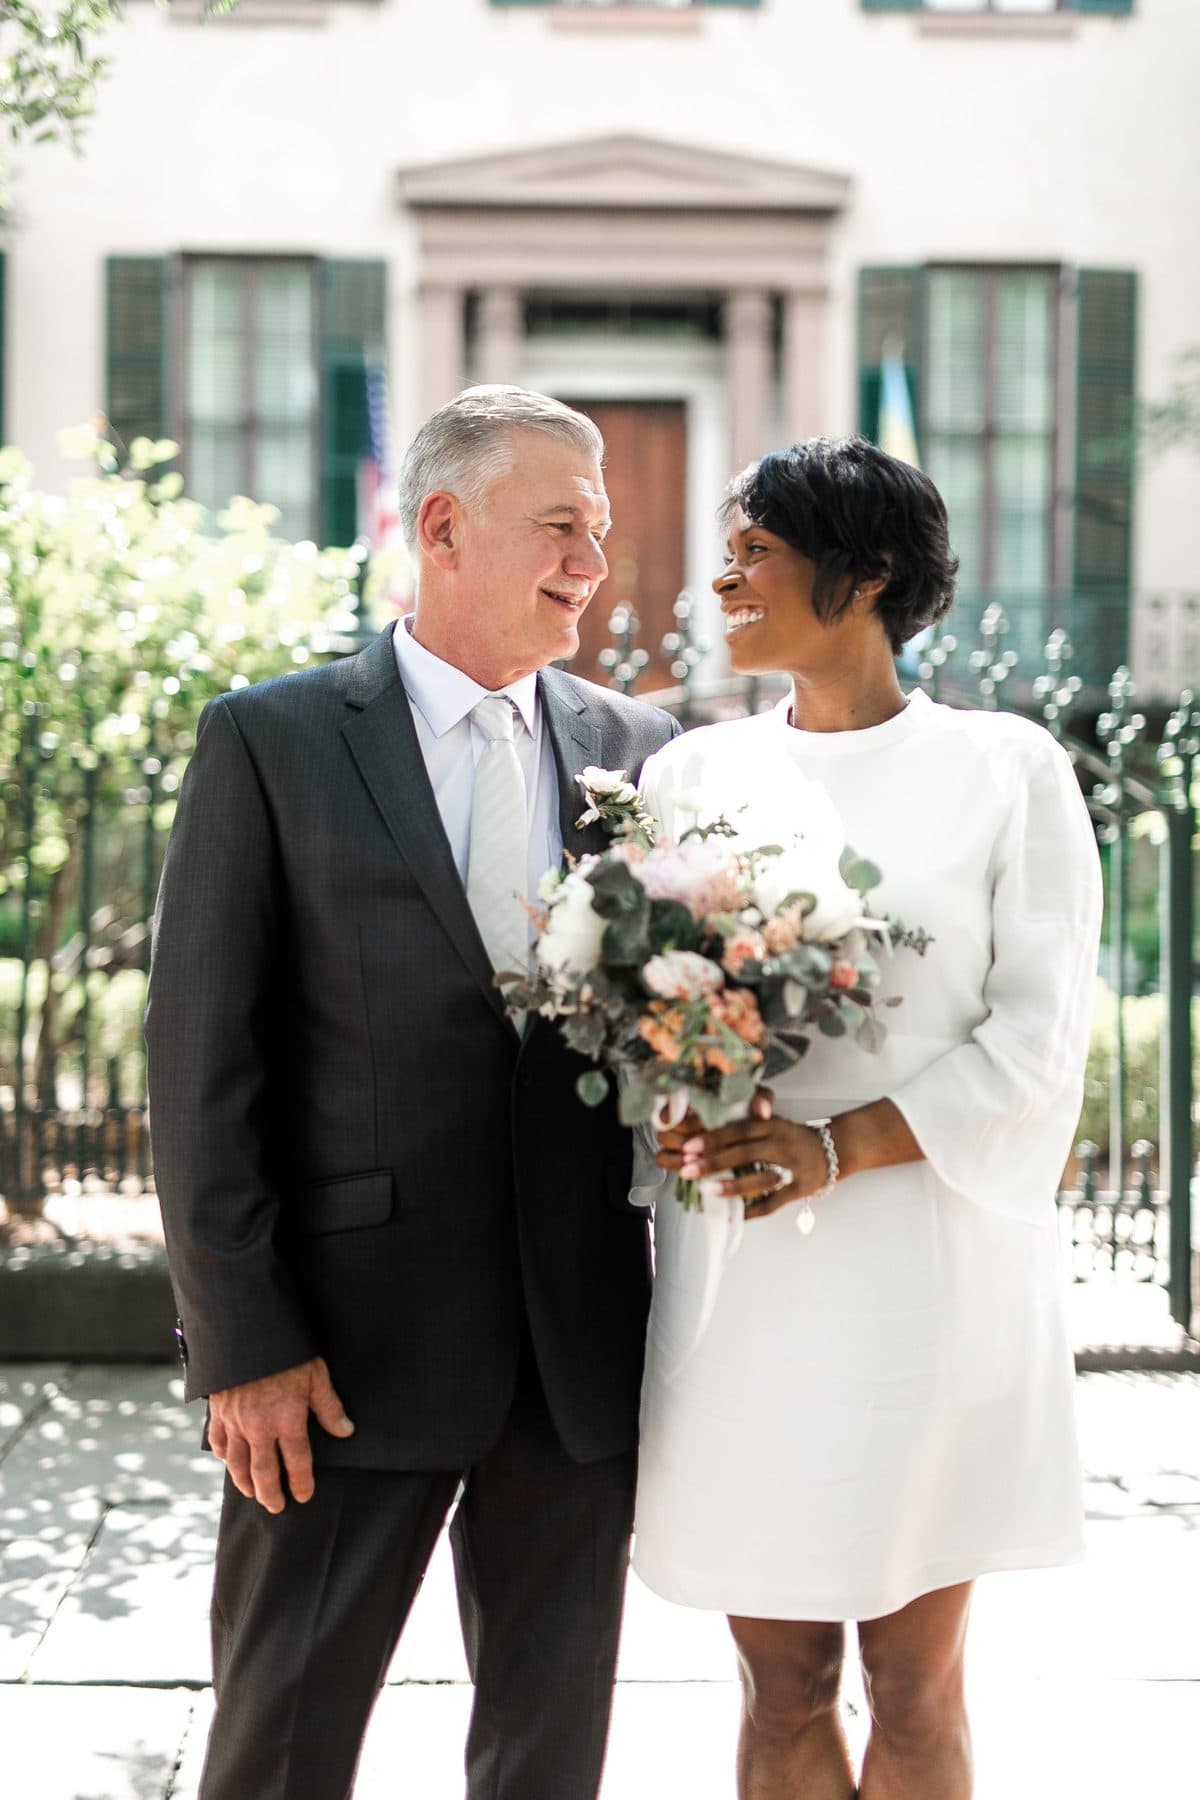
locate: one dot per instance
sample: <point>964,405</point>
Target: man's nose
<point>588,559</point>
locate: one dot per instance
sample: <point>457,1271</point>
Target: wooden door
<point>645,472</point>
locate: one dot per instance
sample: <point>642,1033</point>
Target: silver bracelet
<point>806,1218</point>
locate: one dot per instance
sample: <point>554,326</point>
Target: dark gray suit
<point>358,1157</point>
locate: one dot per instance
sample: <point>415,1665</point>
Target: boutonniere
<point>614,801</point>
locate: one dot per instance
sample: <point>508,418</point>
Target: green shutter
<point>3,344</point>
<point>891,302</point>
<point>137,347</point>
<point>353,330</point>
<point>1106,330</point>
<point>1102,6</point>
<point>892,5</point>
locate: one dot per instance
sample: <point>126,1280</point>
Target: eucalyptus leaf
<point>871,1035</point>
<point>635,1104</point>
<point>592,1087</point>
<point>832,1024</point>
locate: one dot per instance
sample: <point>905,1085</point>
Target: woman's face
<point>766,595</point>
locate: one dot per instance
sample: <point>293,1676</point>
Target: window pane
<point>1024,352</point>
<point>1023,495</point>
<point>955,388</point>
<point>285,376</point>
<point>214,464</point>
<point>283,476</point>
<point>955,466</point>
<point>215,350</point>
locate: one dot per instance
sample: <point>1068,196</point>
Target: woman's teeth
<point>745,615</point>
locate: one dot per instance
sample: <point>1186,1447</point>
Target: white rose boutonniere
<point>613,799</point>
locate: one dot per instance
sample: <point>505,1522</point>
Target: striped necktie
<point>498,861</point>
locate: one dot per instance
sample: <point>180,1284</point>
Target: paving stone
<point>138,1610</point>
<point>90,1743</point>
<point>36,1572</point>
<point>103,1437</point>
<point>23,1387</point>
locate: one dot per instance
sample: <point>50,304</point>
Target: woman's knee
<point>914,1703</point>
<point>791,1673</point>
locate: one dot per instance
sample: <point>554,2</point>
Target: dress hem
<point>928,1581</point>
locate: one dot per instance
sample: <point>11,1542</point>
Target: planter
<point>91,1302</point>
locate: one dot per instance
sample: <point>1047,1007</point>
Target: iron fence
<point>74,944</point>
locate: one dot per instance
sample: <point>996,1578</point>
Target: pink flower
<point>783,932</point>
<point>745,945</point>
<point>843,975</point>
<point>700,874</point>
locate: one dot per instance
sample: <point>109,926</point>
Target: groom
<point>400,1245</point>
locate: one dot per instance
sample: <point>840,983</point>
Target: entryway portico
<point>629,271</point>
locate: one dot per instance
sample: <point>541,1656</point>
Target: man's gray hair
<point>468,444</point>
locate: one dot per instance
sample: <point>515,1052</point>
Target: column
<point>804,365</point>
<point>441,346</point>
<point>748,334</point>
<point>501,327</point>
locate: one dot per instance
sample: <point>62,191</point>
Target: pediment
<point>623,171</point>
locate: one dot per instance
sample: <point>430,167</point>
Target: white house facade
<point>710,221</point>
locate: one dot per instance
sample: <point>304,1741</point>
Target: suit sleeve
<point>208,1021</point>
<point>996,1115</point>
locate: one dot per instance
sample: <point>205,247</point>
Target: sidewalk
<point>1085,1682</point>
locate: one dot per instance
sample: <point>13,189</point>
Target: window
<point>627,5</point>
<point>249,412</point>
<point>261,368</point>
<point>1021,8</point>
<point>1022,383</point>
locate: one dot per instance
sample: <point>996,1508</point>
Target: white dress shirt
<point>441,698</point>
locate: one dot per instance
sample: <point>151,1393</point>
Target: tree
<point>123,609</point>
<point>50,63</point>
<point>1174,422</point>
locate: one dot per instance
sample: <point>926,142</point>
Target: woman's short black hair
<point>858,514</point>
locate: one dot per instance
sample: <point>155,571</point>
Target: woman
<point>881,1410</point>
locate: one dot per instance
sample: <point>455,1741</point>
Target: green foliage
<point>50,64</point>
<point>1144,1018</point>
<point>123,610</point>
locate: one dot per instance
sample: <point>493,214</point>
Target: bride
<point>879,1411</point>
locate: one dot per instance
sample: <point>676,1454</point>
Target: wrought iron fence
<point>74,949</point>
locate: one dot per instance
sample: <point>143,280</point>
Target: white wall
<point>235,135</point>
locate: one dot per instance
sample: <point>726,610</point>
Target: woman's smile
<point>737,618</point>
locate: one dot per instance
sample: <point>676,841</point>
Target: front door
<point>645,472</point>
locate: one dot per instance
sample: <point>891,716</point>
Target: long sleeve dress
<point>884,1407</point>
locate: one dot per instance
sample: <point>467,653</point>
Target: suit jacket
<point>356,1154</point>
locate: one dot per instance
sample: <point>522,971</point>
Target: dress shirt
<point>441,698</point>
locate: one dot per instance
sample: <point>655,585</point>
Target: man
<point>401,1246</point>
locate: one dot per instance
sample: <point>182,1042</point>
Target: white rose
<point>609,783</point>
<point>682,975</point>
<point>549,885</point>
<point>572,938</point>
<point>807,870</point>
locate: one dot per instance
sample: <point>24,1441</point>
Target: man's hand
<point>252,1426</point>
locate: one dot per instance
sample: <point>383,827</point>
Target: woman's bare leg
<point>920,1743</point>
<point>791,1745</point>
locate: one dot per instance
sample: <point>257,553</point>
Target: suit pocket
<point>348,1204</point>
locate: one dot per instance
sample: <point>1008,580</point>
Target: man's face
<point>530,559</point>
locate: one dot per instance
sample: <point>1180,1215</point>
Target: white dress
<point>885,1407</point>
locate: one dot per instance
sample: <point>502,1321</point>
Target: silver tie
<point>498,860</point>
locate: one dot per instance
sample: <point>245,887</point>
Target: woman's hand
<point>692,1153</point>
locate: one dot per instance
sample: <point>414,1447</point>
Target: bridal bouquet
<point>697,970</point>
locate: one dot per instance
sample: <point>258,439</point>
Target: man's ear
<point>439,530</point>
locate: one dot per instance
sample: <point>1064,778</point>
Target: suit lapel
<point>575,739</point>
<point>383,742</point>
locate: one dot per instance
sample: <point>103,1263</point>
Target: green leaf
<point>626,940</point>
<point>871,1035</point>
<point>737,1090</point>
<point>635,1106</point>
<point>592,1087</point>
<point>832,1025</point>
<point>672,926</point>
<point>858,873</point>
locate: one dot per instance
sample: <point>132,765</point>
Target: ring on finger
<point>783,1176</point>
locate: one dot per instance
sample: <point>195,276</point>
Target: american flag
<point>378,499</point>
